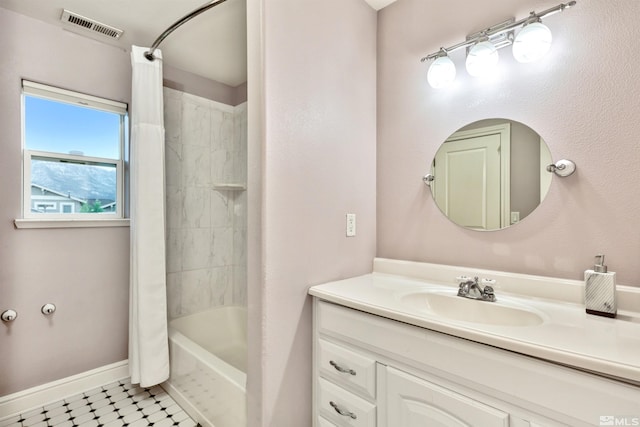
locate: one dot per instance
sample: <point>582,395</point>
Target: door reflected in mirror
<point>491,174</point>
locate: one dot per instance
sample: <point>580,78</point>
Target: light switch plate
<point>351,225</point>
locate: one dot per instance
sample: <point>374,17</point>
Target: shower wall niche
<point>206,158</point>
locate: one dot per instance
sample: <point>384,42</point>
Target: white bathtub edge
<point>235,376</point>
<point>184,403</point>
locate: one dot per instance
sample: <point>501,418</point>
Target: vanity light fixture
<point>442,72</point>
<point>482,58</point>
<point>530,44</point>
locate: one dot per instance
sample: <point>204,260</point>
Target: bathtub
<point>208,356</point>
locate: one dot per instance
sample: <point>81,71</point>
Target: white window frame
<point>75,98</point>
<point>29,155</point>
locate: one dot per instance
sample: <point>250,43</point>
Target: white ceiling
<point>212,45</point>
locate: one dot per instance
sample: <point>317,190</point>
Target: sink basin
<point>448,304</point>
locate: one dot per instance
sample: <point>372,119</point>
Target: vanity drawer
<point>346,366</point>
<point>323,422</point>
<point>343,408</point>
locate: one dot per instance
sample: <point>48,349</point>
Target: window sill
<point>28,223</point>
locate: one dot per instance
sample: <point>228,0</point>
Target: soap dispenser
<point>600,290</point>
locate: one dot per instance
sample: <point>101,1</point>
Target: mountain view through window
<point>72,156</point>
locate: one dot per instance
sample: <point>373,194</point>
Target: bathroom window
<point>73,149</point>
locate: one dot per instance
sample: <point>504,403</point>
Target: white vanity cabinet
<point>372,371</point>
<point>345,386</point>
<point>348,367</point>
<point>415,402</point>
<point>344,408</point>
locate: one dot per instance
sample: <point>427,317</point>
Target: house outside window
<point>73,154</point>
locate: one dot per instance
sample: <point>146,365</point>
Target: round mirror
<point>490,174</point>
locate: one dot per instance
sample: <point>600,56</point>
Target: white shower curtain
<point>148,337</point>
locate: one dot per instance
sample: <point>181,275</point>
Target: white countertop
<point>567,335</point>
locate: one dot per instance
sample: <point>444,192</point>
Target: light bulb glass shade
<point>532,42</point>
<point>482,59</point>
<point>442,72</point>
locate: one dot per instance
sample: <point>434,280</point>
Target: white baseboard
<point>23,401</point>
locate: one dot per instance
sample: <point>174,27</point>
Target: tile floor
<point>118,404</point>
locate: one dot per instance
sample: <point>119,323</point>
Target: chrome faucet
<point>470,288</point>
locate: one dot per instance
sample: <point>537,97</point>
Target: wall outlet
<point>351,225</point>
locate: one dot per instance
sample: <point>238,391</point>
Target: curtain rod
<point>172,28</point>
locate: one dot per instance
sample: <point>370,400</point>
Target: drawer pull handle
<point>341,411</point>
<point>341,369</point>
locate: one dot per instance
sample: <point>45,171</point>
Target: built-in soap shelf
<point>224,186</point>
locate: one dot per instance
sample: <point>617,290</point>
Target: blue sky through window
<point>65,128</point>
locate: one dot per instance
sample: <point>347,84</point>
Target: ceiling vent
<point>90,24</point>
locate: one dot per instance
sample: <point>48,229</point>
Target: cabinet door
<point>414,402</point>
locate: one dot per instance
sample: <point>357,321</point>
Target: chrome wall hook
<point>48,309</point>
<point>9,315</point>
<point>562,167</point>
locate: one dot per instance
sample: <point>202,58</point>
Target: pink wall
<point>583,99</point>
<point>194,84</point>
<point>85,272</point>
<point>318,164</point>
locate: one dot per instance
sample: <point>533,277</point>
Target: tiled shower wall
<point>206,158</point>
